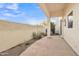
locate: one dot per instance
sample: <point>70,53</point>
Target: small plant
<point>43,34</point>
<point>34,35</point>
<point>38,35</point>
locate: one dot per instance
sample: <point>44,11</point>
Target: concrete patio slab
<point>49,46</point>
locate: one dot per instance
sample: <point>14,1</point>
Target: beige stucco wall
<point>57,27</point>
<point>12,37</point>
<point>71,35</point>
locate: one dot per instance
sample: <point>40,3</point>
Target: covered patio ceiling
<point>53,9</point>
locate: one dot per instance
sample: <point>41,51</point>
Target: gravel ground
<point>17,50</point>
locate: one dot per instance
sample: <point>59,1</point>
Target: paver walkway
<point>49,46</point>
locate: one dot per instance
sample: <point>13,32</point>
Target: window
<point>70,20</point>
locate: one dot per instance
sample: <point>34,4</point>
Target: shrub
<point>34,35</point>
<point>38,35</point>
<point>43,34</point>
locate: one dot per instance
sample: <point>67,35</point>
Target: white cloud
<point>8,14</point>
<point>13,6</point>
<point>22,14</point>
<point>32,21</point>
<point>26,19</point>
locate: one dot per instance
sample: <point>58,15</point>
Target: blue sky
<point>27,13</point>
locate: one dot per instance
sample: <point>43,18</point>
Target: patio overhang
<point>54,9</point>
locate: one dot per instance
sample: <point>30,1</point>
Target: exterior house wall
<point>71,35</point>
<point>57,27</point>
